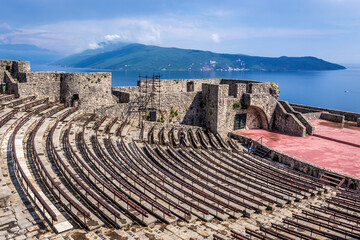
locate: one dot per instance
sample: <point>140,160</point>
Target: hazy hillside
<point>145,57</point>
<point>27,52</point>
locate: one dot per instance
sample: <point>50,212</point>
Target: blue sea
<point>338,89</point>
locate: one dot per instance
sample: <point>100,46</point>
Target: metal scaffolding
<point>149,86</point>
<point>149,97</point>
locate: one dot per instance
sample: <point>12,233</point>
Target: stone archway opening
<point>250,118</point>
<point>256,118</point>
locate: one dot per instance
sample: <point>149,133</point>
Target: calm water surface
<point>329,89</point>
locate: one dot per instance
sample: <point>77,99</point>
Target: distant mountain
<point>145,57</point>
<point>27,52</point>
<point>103,47</point>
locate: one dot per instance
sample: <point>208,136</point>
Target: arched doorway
<point>256,118</point>
<point>250,118</point>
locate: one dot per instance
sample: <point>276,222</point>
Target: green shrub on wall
<point>161,119</point>
<point>240,104</point>
<point>173,113</point>
<point>236,105</point>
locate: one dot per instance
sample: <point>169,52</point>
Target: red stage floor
<point>332,146</point>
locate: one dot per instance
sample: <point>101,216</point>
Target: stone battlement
<point>14,66</point>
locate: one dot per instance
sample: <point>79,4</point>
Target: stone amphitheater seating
<point>81,170</point>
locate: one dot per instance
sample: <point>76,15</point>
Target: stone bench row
<point>314,222</point>
<point>36,156</point>
<point>135,169</point>
<point>94,155</point>
<point>102,188</point>
<point>72,206</point>
<point>200,162</point>
<point>64,161</point>
<point>254,173</point>
<point>162,206</point>
<point>212,196</point>
<point>195,137</point>
<point>184,162</point>
<point>25,178</point>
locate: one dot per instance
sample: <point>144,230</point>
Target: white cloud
<point>215,37</point>
<point>112,37</point>
<point>94,45</point>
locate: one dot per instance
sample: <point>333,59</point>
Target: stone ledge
<point>332,117</point>
<point>349,116</point>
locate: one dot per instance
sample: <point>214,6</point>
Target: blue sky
<point>328,29</point>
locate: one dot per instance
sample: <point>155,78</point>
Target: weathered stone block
<point>312,115</point>
<point>332,117</point>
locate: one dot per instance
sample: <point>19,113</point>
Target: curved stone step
<point>124,220</point>
<point>40,145</point>
<point>61,224</point>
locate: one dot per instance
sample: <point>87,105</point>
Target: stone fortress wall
<point>41,84</point>
<point>91,90</point>
<point>210,103</point>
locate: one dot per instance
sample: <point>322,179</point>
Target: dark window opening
<point>240,121</point>
<point>153,116</point>
<point>75,100</point>
<point>190,86</point>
